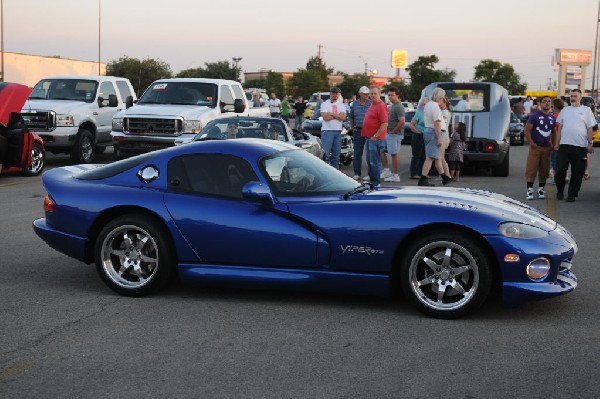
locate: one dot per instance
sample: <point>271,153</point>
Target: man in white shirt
<point>274,106</point>
<point>527,105</point>
<point>463,105</point>
<point>333,112</point>
<point>574,143</point>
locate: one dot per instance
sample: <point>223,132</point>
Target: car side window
<point>226,99</point>
<point>210,174</point>
<point>106,89</point>
<point>237,91</point>
<point>124,90</point>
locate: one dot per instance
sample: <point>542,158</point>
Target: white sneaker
<point>541,193</point>
<point>529,195</point>
<point>395,178</point>
<point>366,178</point>
<point>386,173</point>
<point>356,177</point>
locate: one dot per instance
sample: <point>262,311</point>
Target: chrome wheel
<point>38,160</point>
<point>129,256</point>
<point>87,149</point>
<point>444,275</point>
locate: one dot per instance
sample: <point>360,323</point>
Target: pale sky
<point>282,35</point>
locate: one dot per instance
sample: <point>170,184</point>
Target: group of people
<point>559,138</point>
<point>300,111</point>
<point>379,131</point>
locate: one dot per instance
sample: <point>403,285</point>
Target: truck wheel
<point>38,160</point>
<point>502,169</point>
<point>83,150</point>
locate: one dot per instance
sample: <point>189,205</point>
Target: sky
<point>281,36</point>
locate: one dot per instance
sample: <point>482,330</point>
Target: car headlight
<point>117,124</point>
<point>522,231</point>
<point>538,269</point>
<point>64,120</point>
<point>192,127</point>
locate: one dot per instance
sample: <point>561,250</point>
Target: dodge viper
<point>261,213</point>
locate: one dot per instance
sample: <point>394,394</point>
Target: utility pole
<point>320,46</point>
<point>366,66</point>
<point>595,71</point>
<point>2,40</point>
<point>99,31</point>
<point>236,61</point>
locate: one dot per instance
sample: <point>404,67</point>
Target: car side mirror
<point>100,102</point>
<point>239,105</point>
<point>112,100</point>
<point>129,102</point>
<point>256,190</point>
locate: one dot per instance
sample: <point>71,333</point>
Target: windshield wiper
<point>362,188</point>
<point>37,98</point>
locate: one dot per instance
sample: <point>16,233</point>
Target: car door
<point>15,140</point>
<point>205,201</point>
<point>105,113</point>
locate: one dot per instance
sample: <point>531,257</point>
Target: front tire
<point>446,275</point>
<point>38,160</point>
<point>134,255</point>
<point>83,149</point>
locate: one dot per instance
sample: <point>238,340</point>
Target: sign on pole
<point>399,59</point>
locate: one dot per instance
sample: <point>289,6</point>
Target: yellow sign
<point>399,59</point>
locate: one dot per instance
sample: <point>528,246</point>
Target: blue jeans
<point>332,144</point>
<point>359,146</point>
<point>374,160</point>
<point>299,120</point>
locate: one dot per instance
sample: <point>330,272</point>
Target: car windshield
<point>65,89</point>
<point>180,93</point>
<point>298,173</point>
<point>467,97</point>
<point>313,98</point>
<point>237,128</point>
<point>513,118</point>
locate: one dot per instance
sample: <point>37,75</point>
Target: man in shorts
<point>394,137</point>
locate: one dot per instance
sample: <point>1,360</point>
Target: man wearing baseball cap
<point>333,112</point>
<point>357,116</point>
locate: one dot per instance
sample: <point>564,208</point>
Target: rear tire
<point>83,150</point>
<point>502,170</point>
<point>134,255</point>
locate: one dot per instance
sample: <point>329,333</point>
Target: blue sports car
<point>265,213</point>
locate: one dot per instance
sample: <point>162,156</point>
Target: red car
<point>20,149</point>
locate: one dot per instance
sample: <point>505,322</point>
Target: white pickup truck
<point>179,108</point>
<point>73,114</point>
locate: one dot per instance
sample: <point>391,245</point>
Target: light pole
<point>366,66</point>
<point>594,72</point>
<point>99,31</point>
<point>236,61</point>
<point>2,40</point>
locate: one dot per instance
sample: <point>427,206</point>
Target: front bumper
<point>514,294</point>
<point>135,144</point>
<point>59,137</point>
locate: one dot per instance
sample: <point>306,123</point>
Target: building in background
<point>28,69</point>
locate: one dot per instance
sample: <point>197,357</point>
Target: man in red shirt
<point>374,130</point>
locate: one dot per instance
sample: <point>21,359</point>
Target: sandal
<point>586,175</point>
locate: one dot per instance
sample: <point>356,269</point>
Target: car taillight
<point>48,204</point>
<point>489,147</point>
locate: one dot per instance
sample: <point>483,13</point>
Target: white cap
<point>364,90</point>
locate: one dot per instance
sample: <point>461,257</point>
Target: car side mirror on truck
<point>239,105</point>
<point>111,102</point>
<point>129,102</point>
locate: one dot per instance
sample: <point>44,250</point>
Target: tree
<point>422,73</point>
<point>317,64</point>
<point>274,84</point>
<point>305,82</point>
<point>351,84</point>
<point>141,73</point>
<point>255,84</point>
<point>489,70</point>
<point>213,70</point>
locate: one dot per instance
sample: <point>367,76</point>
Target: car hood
<point>12,98</point>
<point>189,112</point>
<point>63,107</point>
<point>500,205</point>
